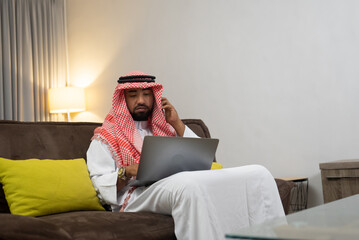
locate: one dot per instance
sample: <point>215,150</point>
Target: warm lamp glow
<point>66,100</point>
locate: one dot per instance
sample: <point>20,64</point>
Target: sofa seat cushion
<point>16,227</point>
<point>110,225</point>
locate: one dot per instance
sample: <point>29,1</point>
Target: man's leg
<point>208,204</point>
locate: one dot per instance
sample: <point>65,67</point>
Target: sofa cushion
<point>16,227</point>
<point>51,140</point>
<point>111,225</point>
<point>36,187</point>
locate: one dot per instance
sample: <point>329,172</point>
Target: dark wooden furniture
<point>340,179</point>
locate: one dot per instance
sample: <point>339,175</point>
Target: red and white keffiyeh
<point>118,129</point>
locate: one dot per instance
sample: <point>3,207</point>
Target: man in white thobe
<point>203,204</point>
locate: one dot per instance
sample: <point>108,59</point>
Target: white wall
<point>276,81</point>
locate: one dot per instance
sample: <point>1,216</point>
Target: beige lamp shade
<point>66,99</point>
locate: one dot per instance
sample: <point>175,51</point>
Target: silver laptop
<point>164,156</point>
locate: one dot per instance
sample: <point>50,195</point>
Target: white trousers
<point>208,204</point>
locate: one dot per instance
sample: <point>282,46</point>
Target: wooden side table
<point>299,194</point>
<point>340,179</point>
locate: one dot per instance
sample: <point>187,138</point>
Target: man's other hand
<point>131,171</point>
<point>172,117</point>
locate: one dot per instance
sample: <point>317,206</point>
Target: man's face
<point>139,103</point>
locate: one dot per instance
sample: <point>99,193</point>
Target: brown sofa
<point>60,140</point>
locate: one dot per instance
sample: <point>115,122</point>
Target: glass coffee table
<point>338,220</point>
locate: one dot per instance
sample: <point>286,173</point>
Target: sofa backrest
<point>55,140</point>
<point>198,127</point>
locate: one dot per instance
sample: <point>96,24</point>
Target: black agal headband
<point>136,78</point>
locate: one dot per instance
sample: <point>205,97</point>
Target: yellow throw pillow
<point>36,187</point>
<point>216,165</point>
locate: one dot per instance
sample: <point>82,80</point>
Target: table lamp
<point>66,100</point>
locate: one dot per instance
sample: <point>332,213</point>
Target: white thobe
<point>203,204</point>
<point>104,172</point>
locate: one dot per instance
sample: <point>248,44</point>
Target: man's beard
<point>141,116</point>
